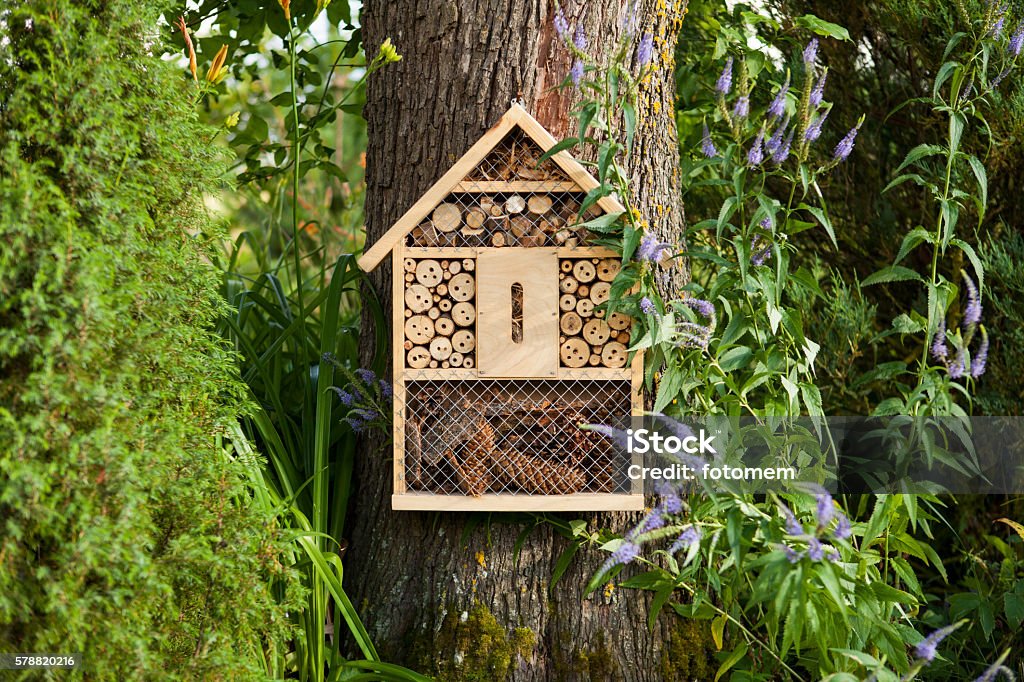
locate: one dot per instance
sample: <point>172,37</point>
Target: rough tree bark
<point>446,593</point>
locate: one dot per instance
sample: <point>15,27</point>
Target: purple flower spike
<point>577,72</point>
<point>791,554</point>
<point>813,131</point>
<point>707,147</point>
<point>561,25</point>
<point>344,397</point>
<point>815,552</point>
<point>579,39</point>
<point>759,255</point>
<point>927,649</point>
<point>972,313</point>
<point>774,143</point>
<point>826,509</point>
<point>626,552</point>
<point>646,49</point>
<point>647,306</point>
<point>811,54</point>
<point>651,250</point>
<point>818,93</point>
<point>793,527</point>
<point>939,350</point>
<point>845,146</point>
<point>1016,41</point>
<point>366,375</point>
<point>690,536</point>
<point>778,105</point>
<point>780,155</point>
<point>701,306</point>
<point>981,357</point>
<point>843,529</point>
<point>756,154</point>
<point>957,368</point>
<point>724,84</point>
<point>385,389</point>
<point>742,107</point>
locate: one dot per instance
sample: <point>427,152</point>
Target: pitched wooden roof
<point>516,116</point>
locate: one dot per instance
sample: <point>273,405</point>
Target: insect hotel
<point>501,346</point>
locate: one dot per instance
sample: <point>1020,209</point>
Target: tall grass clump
<point>128,533</point>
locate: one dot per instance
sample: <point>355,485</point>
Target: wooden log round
<point>444,326</point>
<point>447,275</point>
<point>571,242</point>
<point>614,355</point>
<point>515,204</point>
<point>520,226</point>
<point>418,357</point>
<point>419,329</point>
<point>618,321</point>
<point>583,291</point>
<point>428,272</point>
<point>409,264</point>
<point>468,264</point>
<point>472,232</point>
<point>568,285</point>
<point>434,313</point>
<point>499,239</point>
<point>440,348</point>
<point>574,353</point>
<point>534,239</point>
<point>607,269</point>
<point>464,341</point>
<point>475,217</point>
<point>570,324</point>
<point>464,313</point>
<point>445,305</point>
<point>599,313</point>
<point>539,204</point>
<point>433,364</point>
<point>445,365</point>
<point>567,302</point>
<point>585,307</point>
<point>407,344</point>
<point>408,313</point>
<point>622,337</point>
<point>455,267</point>
<point>562,239</point>
<point>596,332</point>
<point>461,287</point>
<point>565,266</point>
<point>456,359</point>
<point>595,359</point>
<point>418,298</point>
<point>584,271</point>
<point>446,217</point>
<point>468,361</point>
<point>441,289</point>
<point>600,292</point>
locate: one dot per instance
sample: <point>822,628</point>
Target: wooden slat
<point>372,257</point>
<point>578,502</point>
<point>440,251</point>
<point>496,186</point>
<point>458,374</point>
<point>398,360</point>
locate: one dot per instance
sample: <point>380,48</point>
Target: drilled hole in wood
<point>517,312</point>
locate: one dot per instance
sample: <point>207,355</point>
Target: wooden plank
<point>459,374</point>
<point>398,366</point>
<point>578,502</point>
<point>496,186</point>
<point>372,257</point>
<point>440,251</point>
<point>593,374</point>
<point>473,251</point>
<point>571,166</point>
<point>499,354</point>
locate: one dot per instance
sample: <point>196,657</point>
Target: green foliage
<point>1003,391</point>
<point>128,533</point>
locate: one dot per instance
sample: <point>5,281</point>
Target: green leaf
<point>911,241</point>
<point>893,273</point>
<point>559,146</point>
<point>982,177</point>
<point>825,222</point>
<point>735,657</point>
<point>945,71</point>
<point>822,27</point>
<point>1013,607</point>
<point>903,324</point>
<point>563,562</point>
<point>919,152</point>
<point>979,269</point>
<point>718,631</point>
<point>734,359</point>
<point>918,180</point>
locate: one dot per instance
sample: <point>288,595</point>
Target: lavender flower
<point>647,306</point>
<point>742,107</point>
<point>818,93</point>
<point>815,551</point>
<point>561,25</point>
<point>707,147</point>
<point>780,155</point>
<point>1016,42</point>
<point>791,554</point>
<point>825,509</point>
<point>927,648</point>
<point>832,554</point>
<point>577,72</point>
<point>813,131</point>
<point>793,527</point>
<point>843,529</point>
<point>997,669</point>
<point>357,424</point>
<point>693,336</point>
<point>671,502</point>
<point>997,28</point>
<point>652,521</point>
<point>759,255</point>
<point>366,375</point>
<point>346,398</point>
<point>979,360</point>
<point>972,313</point>
<point>811,54</point>
<point>724,84</point>
<point>939,350</point>
<point>959,365</point>
<point>756,154</point>
<point>579,39</point>
<point>845,146</point>
<point>778,105</point>
<point>1006,70</point>
<point>700,306</point>
<point>385,389</point>
<point>617,436</point>
<point>651,250</point>
<point>624,554</point>
<point>774,142</point>
<point>646,49</point>
<point>688,537</point>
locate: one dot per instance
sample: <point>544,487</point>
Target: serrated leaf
<point>735,657</point>
<point>911,241</point>
<point>982,177</point>
<point>919,152</point>
<point>822,27</point>
<point>893,273</point>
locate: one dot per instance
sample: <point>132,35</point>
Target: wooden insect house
<point>501,346</point>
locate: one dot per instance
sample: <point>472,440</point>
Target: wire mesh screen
<point>509,200</point>
<point>514,437</point>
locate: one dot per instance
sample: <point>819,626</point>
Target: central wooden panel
<point>517,309</point>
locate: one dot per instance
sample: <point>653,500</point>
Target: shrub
<point>127,531</point>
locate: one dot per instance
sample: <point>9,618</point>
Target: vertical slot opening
<point>517,312</point>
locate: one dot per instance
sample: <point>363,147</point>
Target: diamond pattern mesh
<point>515,437</point>
<point>515,158</point>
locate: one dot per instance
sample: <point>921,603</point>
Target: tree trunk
<point>447,593</point>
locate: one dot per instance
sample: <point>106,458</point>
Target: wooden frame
<point>485,293</point>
